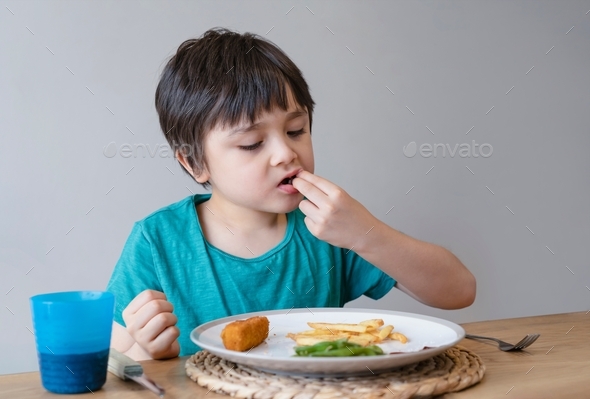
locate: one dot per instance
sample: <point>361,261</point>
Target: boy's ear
<point>202,177</point>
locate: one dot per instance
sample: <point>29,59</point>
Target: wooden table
<point>556,366</point>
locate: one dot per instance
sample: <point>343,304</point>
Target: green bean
<point>376,349</point>
<point>320,347</point>
<point>337,348</point>
<point>346,352</point>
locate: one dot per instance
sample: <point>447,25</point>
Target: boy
<point>271,235</point>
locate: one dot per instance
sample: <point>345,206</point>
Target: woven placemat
<point>453,370</point>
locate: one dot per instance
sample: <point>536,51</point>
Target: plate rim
<point>197,331</point>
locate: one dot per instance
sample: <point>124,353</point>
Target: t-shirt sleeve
<point>134,272</point>
<point>363,278</point>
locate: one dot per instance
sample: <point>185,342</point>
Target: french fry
<point>398,337</point>
<point>313,332</point>
<point>310,340</point>
<point>385,331</point>
<point>372,324</point>
<point>365,333</point>
<point>325,335</point>
<point>338,327</point>
<point>358,340</point>
<point>370,338</point>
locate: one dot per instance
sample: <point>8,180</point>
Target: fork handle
<point>480,337</point>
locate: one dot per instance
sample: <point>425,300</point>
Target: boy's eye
<point>251,147</point>
<point>296,133</point>
<point>254,146</point>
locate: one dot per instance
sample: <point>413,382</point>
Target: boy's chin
<point>291,209</point>
<point>291,205</point>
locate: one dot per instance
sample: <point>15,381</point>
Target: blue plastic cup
<point>73,336</point>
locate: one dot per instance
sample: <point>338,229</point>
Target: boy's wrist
<point>137,353</point>
<point>371,238</point>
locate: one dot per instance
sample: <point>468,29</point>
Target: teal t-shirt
<point>168,252</point>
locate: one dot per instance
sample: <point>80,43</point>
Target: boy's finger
<point>308,208</point>
<point>310,224</point>
<point>150,310</point>
<point>143,298</point>
<point>168,336</point>
<point>165,344</point>
<point>324,185</point>
<point>311,192</point>
<point>155,327</point>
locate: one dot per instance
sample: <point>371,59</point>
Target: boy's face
<point>247,164</point>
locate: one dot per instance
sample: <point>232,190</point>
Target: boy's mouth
<point>288,180</point>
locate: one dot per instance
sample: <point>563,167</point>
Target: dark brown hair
<point>222,79</point>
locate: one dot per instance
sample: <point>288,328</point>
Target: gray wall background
<point>76,76</point>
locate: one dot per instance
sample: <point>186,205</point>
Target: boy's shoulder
<point>175,213</point>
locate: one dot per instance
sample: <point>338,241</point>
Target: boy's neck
<point>243,219</point>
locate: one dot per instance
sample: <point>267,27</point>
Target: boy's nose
<point>282,152</point>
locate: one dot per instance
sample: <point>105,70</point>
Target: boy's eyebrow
<point>254,126</point>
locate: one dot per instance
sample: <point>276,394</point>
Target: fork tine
<point>527,341</point>
<point>524,342</point>
<point>530,341</point>
<point>519,344</point>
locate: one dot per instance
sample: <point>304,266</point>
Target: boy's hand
<point>150,322</point>
<point>332,215</point>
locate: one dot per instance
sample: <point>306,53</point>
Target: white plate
<point>275,355</point>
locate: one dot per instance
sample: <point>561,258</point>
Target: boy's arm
<point>151,331</point>
<point>122,341</point>
<point>427,272</point>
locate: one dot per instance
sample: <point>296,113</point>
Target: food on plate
<point>398,337</point>
<point>365,333</point>
<point>243,335</point>
<point>338,348</point>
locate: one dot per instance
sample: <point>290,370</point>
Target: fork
<point>505,346</point>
